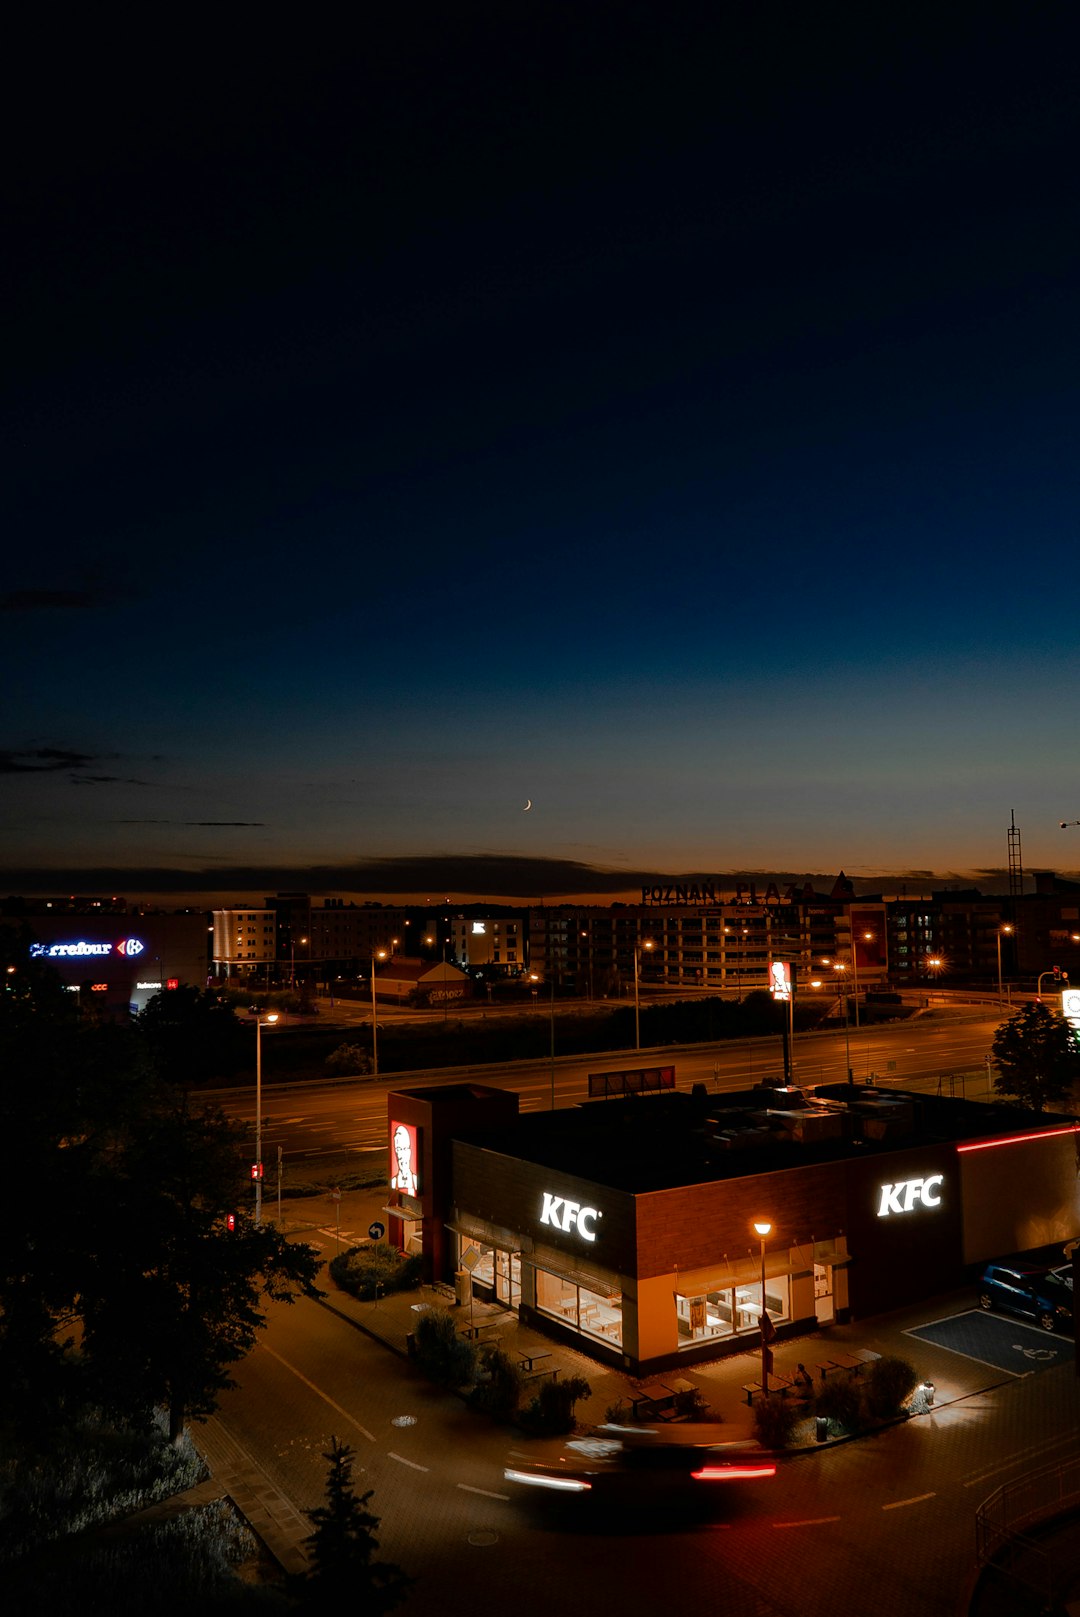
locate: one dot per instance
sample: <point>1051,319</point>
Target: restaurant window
<point>586,1311</point>
<point>732,1311</point>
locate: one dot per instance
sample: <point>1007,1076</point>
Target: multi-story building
<point>496,941</point>
<point>245,943</point>
<point>681,941</point>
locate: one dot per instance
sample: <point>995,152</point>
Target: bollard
<point>822,1427</point>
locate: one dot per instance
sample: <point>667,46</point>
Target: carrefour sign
<point>129,947</point>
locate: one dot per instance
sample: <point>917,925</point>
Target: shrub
<point>551,1412</point>
<point>440,1352</point>
<point>775,1420</point>
<point>839,1403</point>
<point>498,1384</point>
<point>373,1271</point>
<point>348,1059</point>
<point>889,1384</point>
<point>618,1414</point>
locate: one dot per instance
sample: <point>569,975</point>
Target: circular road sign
<point>376,1231</point>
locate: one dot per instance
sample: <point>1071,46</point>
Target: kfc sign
<point>566,1216</point>
<point>909,1193</point>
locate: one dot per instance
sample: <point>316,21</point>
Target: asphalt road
<point>308,1119</point>
<point>883,1525</point>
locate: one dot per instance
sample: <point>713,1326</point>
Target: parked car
<point>1037,1294</point>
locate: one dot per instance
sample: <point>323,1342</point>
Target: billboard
<point>405,1158</point>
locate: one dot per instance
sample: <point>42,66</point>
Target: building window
<point>586,1311</point>
<point>734,1311</point>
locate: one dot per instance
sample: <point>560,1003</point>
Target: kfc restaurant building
<point>625,1227</point>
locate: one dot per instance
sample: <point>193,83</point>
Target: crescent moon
<point>527,807</point>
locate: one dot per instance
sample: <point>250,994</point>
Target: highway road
<point>943,1049</point>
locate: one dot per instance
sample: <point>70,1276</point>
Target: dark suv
<point>1036,1294</point>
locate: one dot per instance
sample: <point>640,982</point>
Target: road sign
<point>376,1231</point>
<point>335,1195</point>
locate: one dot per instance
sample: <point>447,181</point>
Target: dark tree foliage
<point>344,1574</point>
<point>171,1297</point>
<point>192,1036</point>
<point>118,1278</point>
<point>1038,1057</point>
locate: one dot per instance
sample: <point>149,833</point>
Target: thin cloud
<point>244,825</point>
<point>494,877</point>
<point>42,760</point>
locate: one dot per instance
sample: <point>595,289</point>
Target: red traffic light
<point>230,1221</point>
<point>256,1170</point>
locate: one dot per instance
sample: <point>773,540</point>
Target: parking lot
<point>1003,1343</point>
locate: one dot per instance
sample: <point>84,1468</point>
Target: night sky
<point>668,422</point>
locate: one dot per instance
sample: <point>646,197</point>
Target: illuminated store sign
<point>902,1197</point>
<point>565,1216</point>
<point>780,979</point>
<point>86,951</point>
<point>404,1159</point>
<point>1070,1009</point>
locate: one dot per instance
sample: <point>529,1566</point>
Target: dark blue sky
<point>672,423</point>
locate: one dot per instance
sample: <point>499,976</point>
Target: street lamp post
<point>838,965</point>
<point>270,1020</point>
<point>1000,930</point>
<point>648,944</point>
<point>764,1230</point>
<point>380,954</point>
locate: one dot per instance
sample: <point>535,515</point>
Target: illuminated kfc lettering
<point>566,1215</point>
<point>901,1197</point>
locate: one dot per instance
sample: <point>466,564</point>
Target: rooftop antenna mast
<point>1016,861</point>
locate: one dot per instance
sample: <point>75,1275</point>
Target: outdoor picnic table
<point>652,1392</point>
<point>532,1356</point>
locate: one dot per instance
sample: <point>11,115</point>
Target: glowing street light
<point>764,1229</point>
<point>257,1170</point>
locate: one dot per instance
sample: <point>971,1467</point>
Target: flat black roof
<point>660,1141</point>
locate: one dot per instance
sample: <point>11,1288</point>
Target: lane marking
<point>344,1413</point>
<point>486,1492</point>
<point>815,1521</point>
<point>917,1499</point>
<point>401,1460</point>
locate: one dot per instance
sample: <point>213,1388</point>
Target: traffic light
<point>230,1221</point>
<point>256,1170</point>
<point>1057,974</point>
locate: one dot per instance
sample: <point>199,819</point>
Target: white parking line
<point>464,1486</point>
<point>917,1499</point>
<point>400,1458</point>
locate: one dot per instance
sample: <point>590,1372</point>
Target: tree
<point>344,1576</point>
<point>192,1036</point>
<point>169,1296</point>
<point>1038,1057</point>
